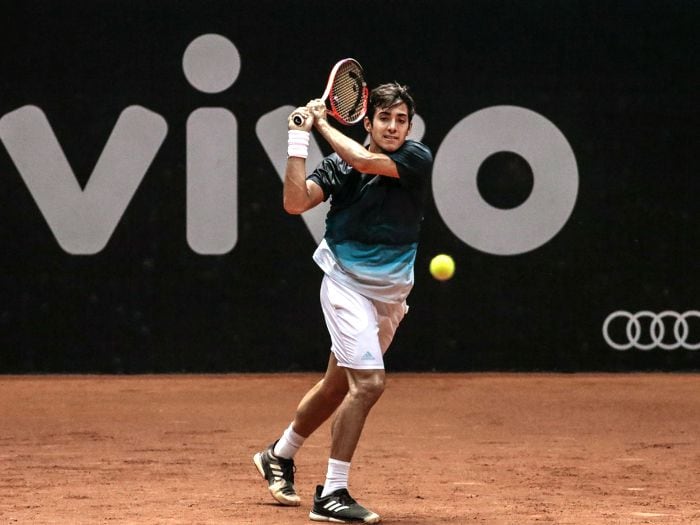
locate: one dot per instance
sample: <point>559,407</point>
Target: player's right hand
<point>302,115</point>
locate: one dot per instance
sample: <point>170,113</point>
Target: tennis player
<point>367,256</point>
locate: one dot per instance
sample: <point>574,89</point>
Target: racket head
<point>347,92</point>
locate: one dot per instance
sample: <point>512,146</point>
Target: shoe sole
<point>274,490</point>
<point>320,517</point>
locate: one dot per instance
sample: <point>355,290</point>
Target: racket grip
<point>298,120</point>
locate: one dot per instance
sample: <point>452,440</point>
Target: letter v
<point>82,220</point>
<point>272,134</point>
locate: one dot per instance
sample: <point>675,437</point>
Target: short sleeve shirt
<point>373,225</point>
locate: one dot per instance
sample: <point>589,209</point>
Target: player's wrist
<point>298,143</point>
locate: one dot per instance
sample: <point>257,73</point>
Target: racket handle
<point>298,120</point>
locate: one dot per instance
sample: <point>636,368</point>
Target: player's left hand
<point>317,109</point>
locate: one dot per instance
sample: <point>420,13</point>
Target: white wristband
<point>298,143</point>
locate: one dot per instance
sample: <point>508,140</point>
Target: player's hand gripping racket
<point>346,92</point>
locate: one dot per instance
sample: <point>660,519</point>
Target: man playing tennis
<point>367,255</point>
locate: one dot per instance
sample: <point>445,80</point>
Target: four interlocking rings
<point>656,330</point>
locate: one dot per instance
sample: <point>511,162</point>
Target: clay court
<point>453,448</point>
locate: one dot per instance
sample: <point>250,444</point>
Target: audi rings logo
<point>647,330</point>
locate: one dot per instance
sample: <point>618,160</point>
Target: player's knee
<point>369,388</point>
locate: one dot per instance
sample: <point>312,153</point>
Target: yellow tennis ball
<point>442,267</point>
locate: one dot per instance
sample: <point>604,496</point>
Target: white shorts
<point>361,329</point>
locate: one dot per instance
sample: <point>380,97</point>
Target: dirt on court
<point>437,449</point>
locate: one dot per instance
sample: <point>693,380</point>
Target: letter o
<point>555,188</point>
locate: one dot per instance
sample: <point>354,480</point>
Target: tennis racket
<point>346,92</point>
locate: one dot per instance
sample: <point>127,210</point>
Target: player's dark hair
<point>388,95</point>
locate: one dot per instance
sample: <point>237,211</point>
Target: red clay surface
<point>437,449</point>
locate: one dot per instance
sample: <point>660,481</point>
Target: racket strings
<point>349,93</point>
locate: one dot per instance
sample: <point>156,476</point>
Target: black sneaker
<point>339,507</point>
<point>279,473</point>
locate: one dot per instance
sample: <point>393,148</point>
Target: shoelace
<point>345,498</point>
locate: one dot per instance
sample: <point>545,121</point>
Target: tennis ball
<point>442,267</point>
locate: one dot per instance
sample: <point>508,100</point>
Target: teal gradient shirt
<point>373,225</point>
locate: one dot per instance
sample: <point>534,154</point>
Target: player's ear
<point>368,124</point>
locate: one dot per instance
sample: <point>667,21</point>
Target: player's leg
<point>276,463</point>
<point>321,401</point>
<point>365,389</point>
<point>332,501</point>
<point>365,386</point>
<point>356,329</point>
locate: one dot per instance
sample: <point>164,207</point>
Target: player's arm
<point>299,194</point>
<point>349,150</point>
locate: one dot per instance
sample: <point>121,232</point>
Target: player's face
<point>389,128</point>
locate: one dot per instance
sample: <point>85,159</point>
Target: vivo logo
<point>84,219</point>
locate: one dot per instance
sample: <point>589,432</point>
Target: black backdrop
<point>618,79</point>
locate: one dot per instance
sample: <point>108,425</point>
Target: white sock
<point>289,444</point>
<point>336,476</point>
